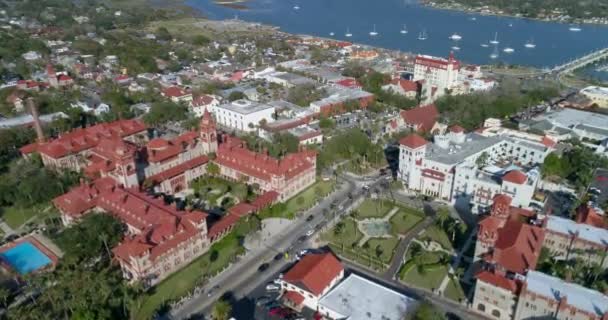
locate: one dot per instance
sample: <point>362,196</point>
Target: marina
<point>479,37</point>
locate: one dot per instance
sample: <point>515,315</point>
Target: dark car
<point>302,239</point>
<point>279,256</point>
<point>309,218</point>
<point>263,267</point>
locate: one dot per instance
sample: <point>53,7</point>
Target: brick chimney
<point>37,125</point>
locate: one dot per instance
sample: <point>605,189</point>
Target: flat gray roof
<point>587,232</point>
<point>580,297</point>
<point>27,119</point>
<point>571,117</point>
<point>473,144</point>
<point>357,298</point>
<point>243,106</point>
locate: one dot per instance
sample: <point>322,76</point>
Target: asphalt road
<point>243,276</point>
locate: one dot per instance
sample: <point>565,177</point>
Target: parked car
<point>310,232</point>
<point>272,287</point>
<point>309,218</point>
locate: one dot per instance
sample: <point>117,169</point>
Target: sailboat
<point>373,33</point>
<point>495,41</point>
<point>331,34</point>
<point>422,35</point>
<point>494,54</point>
<point>508,50</point>
<point>455,48</point>
<point>404,30</point>
<point>574,29</point>
<point>348,34</point>
<point>455,37</point>
<point>530,44</point>
<point>484,45</point>
<point>296,7</point>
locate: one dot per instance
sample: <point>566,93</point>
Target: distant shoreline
<point>491,12</point>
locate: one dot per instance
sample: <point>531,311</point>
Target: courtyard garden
<point>428,258</point>
<point>219,192</point>
<point>370,235</point>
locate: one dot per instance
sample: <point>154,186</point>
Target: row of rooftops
<point>517,236</point>
<point>234,154</point>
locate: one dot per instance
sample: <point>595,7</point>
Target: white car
<point>272,287</point>
<point>310,232</point>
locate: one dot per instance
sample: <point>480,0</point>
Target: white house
<point>202,102</point>
<point>310,279</point>
<point>243,115</point>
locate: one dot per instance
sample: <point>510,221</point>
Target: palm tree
<point>221,310</point>
<point>4,295</point>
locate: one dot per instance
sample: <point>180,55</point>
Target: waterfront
<point>555,44</point>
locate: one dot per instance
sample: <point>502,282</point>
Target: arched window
<point>496,313</point>
<point>481,307</point>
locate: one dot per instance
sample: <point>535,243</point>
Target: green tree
<point>213,169</point>
<point>236,95</point>
<point>163,34</point>
<point>426,311</point>
<point>221,310</point>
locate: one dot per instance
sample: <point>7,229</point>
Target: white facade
<point>438,72</point>
<point>448,169</point>
<point>243,115</point>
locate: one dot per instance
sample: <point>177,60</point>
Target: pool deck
<point>35,242</point>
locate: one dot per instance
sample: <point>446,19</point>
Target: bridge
<point>582,61</point>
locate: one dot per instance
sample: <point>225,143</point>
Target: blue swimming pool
<point>25,258</point>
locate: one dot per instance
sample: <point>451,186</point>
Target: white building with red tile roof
<point>310,279</point>
<point>419,119</point>
<point>177,94</point>
<point>203,102</point>
<point>437,73</point>
<point>407,88</point>
<point>449,169</point>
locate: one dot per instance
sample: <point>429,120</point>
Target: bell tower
<point>208,132</point>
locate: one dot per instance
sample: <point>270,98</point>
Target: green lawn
<point>454,291</point>
<point>434,233</point>
<point>404,220</point>
<point>347,237</point>
<point>430,278</point>
<point>388,245</point>
<point>16,217</point>
<point>374,208</point>
<point>184,280</point>
<point>308,197</point>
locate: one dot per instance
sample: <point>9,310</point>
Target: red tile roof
<point>413,141</point>
<point>349,83</point>
<point>233,154</point>
<point>82,139</point>
<point>223,224</point>
<point>515,176</point>
<point>202,100</point>
<point>160,149</point>
<point>423,118</point>
<point>294,297</point>
<point>588,215</point>
<point>264,200</point>
<point>499,281</point>
<point>314,272</point>
<point>174,92</point>
<point>179,169</point>
<point>518,246</point>
<point>242,209</point>
<point>406,85</point>
<point>548,142</point>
